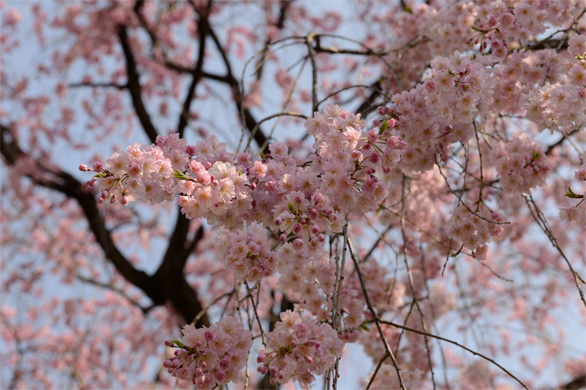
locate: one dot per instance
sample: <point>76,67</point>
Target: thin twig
<point>455,343</point>
<point>544,225</point>
<point>410,277</point>
<point>375,316</point>
<point>309,41</point>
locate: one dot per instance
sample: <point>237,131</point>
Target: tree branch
<point>169,284</point>
<point>203,28</point>
<point>134,87</point>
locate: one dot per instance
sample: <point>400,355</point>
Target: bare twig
<point>388,350</point>
<point>455,343</point>
<point>544,225</point>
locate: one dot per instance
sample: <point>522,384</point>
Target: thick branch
<point>70,187</point>
<point>245,115</point>
<point>203,28</point>
<point>134,86</point>
<point>167,285</point>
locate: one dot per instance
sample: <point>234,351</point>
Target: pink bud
<point>313,214</point>
<point>98,167</point>
<point>207,165</point>
<point>220,375</point>
<point>315,229</point>
<point>278,221</point>
<point>298,244</point>
<point>208,335</point>
<point>169,343</point>
<point>296,228</point>
<point>124,200</point>
<point>84,168</point>
<point>283,237</point>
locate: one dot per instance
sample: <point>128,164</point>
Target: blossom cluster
<point>210,356</point>
<point>560,104</point>
<point>473,230</point>
<point>246,252</point>
<point>348,158</point>
<point>209,182</point>
<point>442,110</point>
<point>307,276</point>
<point>299,348</point>
<point>520,163</point>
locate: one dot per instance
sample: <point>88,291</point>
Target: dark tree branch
<point>168,285</point>
<point>367,105</point>
<point>70,187</point>
<point>576,383</point>
<point>98,85</point>
<point>203,28</point>
<point>229,79</point>
<point>134,86</point>
<point>279,25</point>
<point>551,147</point>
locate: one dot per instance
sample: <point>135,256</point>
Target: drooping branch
<point>388,350</point>
<point>455,343</point>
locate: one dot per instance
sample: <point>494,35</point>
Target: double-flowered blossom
<point>210,356</point>
<point>299,348</point>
